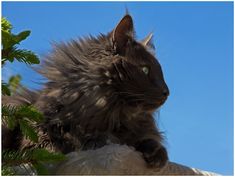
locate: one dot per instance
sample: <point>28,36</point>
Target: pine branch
<point>40,168</point>
<point>28,131</point>
<point>6,25</point>
<point>7,171</point>
<point>9,45</point>
<point>14,158</point>
<point>11,86</point>
<point>34,157</point>
<point>30,113</point>
<point>8,116</point>
<point>14,82</point>
<point>9,39</point>
<point>42,155</point>
<point>25,117</point>
<point>22,55</point>
<point>5,89</point>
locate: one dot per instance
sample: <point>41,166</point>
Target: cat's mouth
<point>151,107</point>
<point>162,101</point>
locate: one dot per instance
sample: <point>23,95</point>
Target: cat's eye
<point>145,69</point>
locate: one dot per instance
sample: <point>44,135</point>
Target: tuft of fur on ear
<point>123,32</point>
<point>148,41</point>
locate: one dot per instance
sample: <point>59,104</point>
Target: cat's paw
<point>153,152</point>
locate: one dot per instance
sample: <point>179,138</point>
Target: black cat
<point>100,89</point>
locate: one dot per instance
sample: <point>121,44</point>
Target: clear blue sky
<point>194,43</point>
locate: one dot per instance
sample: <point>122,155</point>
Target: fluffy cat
<point>100,90</point>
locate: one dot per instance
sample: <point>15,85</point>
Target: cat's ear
<point>123,32</point>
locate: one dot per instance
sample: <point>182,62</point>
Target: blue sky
<point>194,44</point>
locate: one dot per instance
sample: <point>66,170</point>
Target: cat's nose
<point>166,92</point>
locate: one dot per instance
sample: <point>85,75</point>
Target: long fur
<point>96,93</point>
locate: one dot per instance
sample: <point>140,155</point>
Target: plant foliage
<point>10,44</point>
<point>18,162</point>
<point>31,160</point>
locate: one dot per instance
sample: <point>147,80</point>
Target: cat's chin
<point>150,108</point>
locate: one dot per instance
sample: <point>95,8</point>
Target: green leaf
<point>14,82</point>
<point>30,112</point>
<point>43,155</point>
<point>8,116</point>
<point>5,89</point>
<point>16,157</point>
<point>11,123</point>
<point>21,36</point>
<point>25,115</point>
<point>36,158</point>
<point>28,131</point>
<point>40,168</point>
<point>6,25</point>
<point>9,48</point>
<point>7,171</point>
<point>8,40</point>
<point>25,56</point>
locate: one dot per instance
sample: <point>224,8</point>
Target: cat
<point>100,90</point>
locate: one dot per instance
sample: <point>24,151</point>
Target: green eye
<point>145,69</point>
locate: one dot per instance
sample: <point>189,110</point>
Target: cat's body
<point>101,90</point>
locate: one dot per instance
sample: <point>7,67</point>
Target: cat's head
<point>139,78</point>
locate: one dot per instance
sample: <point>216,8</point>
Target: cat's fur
<point>97,92</point>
